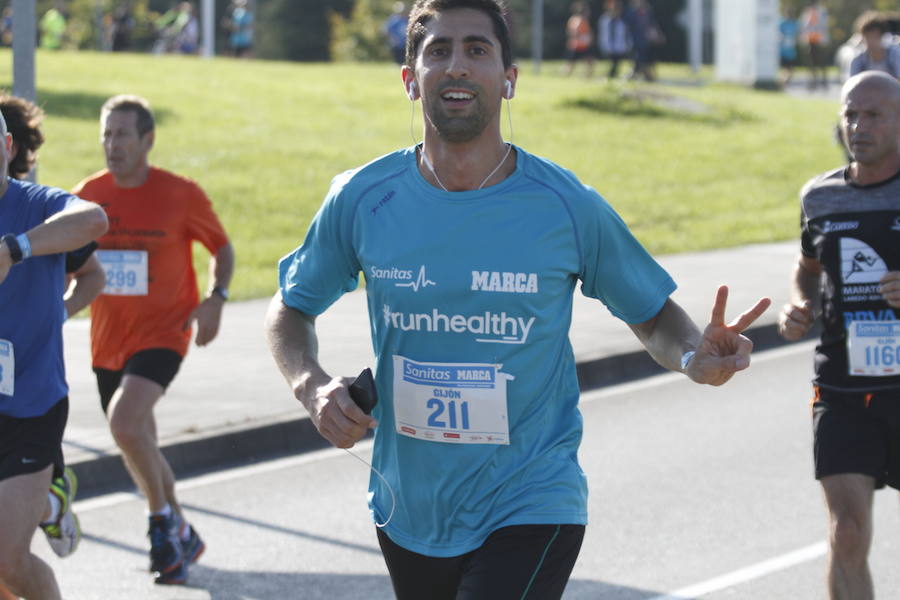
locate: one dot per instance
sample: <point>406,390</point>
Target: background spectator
<point>395,30</point>
<point>788,30</point>
<point>120,30</point>
<point>880,51</point>
<point>613,37</point>
<point>53,27</point>
<point>645,35</point>
<point>6,27</point>
<point>579,38</point>
<point>187,41</point>
<point>814,32</point>
<point>239,25</point>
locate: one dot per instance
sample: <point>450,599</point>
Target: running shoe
<point>176,576</point>
<point>64,533</point>
<point>193,547</point>
<point>166,555</point>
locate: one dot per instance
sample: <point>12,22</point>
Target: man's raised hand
<point>723,350</point>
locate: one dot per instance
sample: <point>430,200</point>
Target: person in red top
<point>141,323</point>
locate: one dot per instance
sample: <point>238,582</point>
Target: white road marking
<point>760,569</point>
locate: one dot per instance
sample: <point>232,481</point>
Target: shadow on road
<point>235,584</point>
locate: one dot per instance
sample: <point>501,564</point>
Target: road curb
<point>205,452</point>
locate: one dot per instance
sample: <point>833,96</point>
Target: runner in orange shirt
<point>580,38</point>
<point>141,324</point>
<point>814,32</point>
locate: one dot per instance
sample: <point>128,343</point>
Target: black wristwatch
<point>220,292</point>
<point>15,251</point>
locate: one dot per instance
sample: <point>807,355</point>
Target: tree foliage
<point>360,37</point>
<point>296,29</point>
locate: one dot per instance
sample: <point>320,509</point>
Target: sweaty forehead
<point>867,96</point>
<point>120,119</point>
<point>459,23</point>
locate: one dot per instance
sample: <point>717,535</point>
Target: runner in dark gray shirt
<point>848,274</point>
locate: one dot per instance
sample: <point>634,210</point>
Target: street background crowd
<point>812,34</point>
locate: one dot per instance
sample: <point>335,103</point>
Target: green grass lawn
<point>689,167</point>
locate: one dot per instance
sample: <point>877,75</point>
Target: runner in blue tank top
<point>472,249</point>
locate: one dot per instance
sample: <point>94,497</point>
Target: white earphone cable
<point>390,489</point>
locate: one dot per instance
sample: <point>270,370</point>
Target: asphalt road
<point>695,493</point>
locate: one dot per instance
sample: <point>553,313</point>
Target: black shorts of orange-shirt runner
<point>519,562</point>
<point>31,444</point>
<point>857,432</point>
<point>159,365</point>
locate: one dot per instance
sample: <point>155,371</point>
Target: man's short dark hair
<point>134,104</point>
<point>423,10</point>
<point>871,20</point>
<point>23,122</point>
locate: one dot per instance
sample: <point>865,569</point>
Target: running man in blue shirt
<point>38,225</point>
<point>472,249</point>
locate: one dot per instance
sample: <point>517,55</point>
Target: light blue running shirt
<point>470,302</point>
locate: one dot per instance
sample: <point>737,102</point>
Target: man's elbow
<point>97,223</point>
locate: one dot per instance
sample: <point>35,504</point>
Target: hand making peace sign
<point>723,350</point>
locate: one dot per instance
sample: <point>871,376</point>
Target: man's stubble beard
<point>458,129</point>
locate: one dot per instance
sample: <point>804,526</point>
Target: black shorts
<point>156,364</point>
<point>520,561</point>
<point>788,63</point>
<point>858,433</point>
<point>31,444</point>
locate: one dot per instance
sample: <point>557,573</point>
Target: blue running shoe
<point>177,576</point>
<point>166,555</point>
<point>193,547</point>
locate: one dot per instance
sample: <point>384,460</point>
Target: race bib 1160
<point>873,348</point>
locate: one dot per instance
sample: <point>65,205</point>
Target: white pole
<point>695,34</point>
<point>208,14</point>
<point>767,19</point>
<point>24,34</point>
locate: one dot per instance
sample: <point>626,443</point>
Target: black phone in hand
<point>363,391</point>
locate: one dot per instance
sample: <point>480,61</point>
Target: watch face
<point>221,292</point>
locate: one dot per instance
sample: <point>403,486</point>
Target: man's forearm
<point>68,230</point>
<point>668,335</point>
<point>89,281</point>
<point>221,267</point>
<point>294,345</point>
<point>805,284</point>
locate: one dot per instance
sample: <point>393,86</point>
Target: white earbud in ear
<point>509,91</point>
<point>411,90</point>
